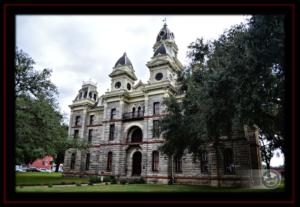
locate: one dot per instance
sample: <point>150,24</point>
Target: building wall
<point>243,143</point>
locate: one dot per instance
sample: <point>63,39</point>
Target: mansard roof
<point>124,60</point>
<point>165,34</point>
<point>161,50</point>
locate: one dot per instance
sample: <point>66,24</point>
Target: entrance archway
<point>137,163</point>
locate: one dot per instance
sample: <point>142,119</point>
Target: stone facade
<point>120,128</point>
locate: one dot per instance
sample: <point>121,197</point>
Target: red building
<point>42,163</point>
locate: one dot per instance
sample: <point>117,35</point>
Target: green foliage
<point>235,80</point>
<point>94,179</point>
<point>39,127</point>
<point>106,179</point>
<point>113,179</point>
<point>140,180</point>
<point>123,181</point>
<point>29,82</point>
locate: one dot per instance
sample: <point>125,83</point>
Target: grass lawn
<point>139,188</point>
<point>44,178</point>
<point>24,180</point>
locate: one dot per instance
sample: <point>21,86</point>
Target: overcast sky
<point>86,47</point>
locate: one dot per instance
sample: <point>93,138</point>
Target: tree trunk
<point>57,166</point>
<point>268,163</point>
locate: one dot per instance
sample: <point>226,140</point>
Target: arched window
<point>133,112</point>
<point>73,159</point>
<point>90,94</point>
<point>139,111</point>
<point>109,162</point>
<point>80,95</point>
<point>155,161</point>
<point>137,135</point>
<point>85,94</point>
<point>204,162</point>
<point>229,167</point>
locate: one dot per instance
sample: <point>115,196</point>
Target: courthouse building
<point>121,127</point>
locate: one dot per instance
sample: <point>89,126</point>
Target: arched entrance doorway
<point>137,163</point>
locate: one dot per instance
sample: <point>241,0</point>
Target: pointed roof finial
<point>165,21</point>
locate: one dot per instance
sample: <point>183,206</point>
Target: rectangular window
<point>77,120</point>
<point>178,164</point>
<point>76,133</point>
<point>109,162</point>
<point>92,119</point>
<point>113,113</point>
<point>155,161</point>
<point>156,128</point>
<point>90,136</point>
<point>204,162</point>
<point>229,167</point>
<point>156,108</point>
<point>87,161</point>
<point>111,132</point>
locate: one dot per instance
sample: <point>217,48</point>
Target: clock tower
<point>164,64</point>
<point>122,76</point>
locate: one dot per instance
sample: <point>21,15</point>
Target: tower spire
<point>165,21</point>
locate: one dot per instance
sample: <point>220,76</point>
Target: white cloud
<point>78,48</point>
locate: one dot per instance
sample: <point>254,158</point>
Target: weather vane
<point>165,21</point>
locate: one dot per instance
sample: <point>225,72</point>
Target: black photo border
<point>9,29</point>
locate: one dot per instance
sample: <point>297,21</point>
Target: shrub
<point>63,183</point>
<point>94,179</point>
<point>123,181</point>
<point>113,180</point>
<point>78,184</point>
<point>106,179</point>
<point>50,186</point>
<point>142,181</point>
<point>91,183</point>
